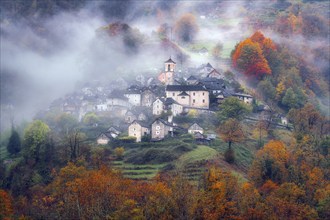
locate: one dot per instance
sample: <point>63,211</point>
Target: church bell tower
<point>169,71</point>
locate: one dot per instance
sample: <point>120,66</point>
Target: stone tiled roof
<point>183,88</point>
<point>170,61</point>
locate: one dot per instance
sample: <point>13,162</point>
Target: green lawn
<point>200,153</point>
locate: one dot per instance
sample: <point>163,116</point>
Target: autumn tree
<point>250,55</point>
<point>307,120</point>
<point>288,201</point>
<point>14,144</point>
<point>266,44</point>
<point>6,207</point>
<point>251,204</point>
<point>270,163</point>
<point>186,28</point>
<point>232,132</point>
<point>220,197</point>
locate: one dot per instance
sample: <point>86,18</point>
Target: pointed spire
<point>170,61</point>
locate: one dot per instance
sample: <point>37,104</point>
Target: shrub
<point>127,139</point>
<point>119,151</point>
<point>230,156</point>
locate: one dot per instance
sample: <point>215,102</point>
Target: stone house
<point>160,129</point>
<point>140,113</point>
<point>189,95</point>
<point>195,128</point>
<point>192,80</point>
<point>134,96</point>
<point>164,105</point>
<point>173,106</point>
<point>103,139</point>
<point>204,69</point>
<point>138,129</point>
<point>147,97</point>
<point>130,117</point>
<point>244,97</point>
<point>106,137</point>
<point>158,106</point>
<point>284,120</point>
<point>215,74</point>
<point>117,98</point>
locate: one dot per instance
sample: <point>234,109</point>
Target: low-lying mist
<point>44,59</point>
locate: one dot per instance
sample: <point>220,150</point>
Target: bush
<point>230,156</point>
<point>119,152</point>
<point>127,139</point>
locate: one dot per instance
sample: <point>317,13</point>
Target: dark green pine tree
<point>14,144</point>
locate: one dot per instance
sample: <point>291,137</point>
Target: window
<point>203,93</point>
<point>193,94</point>
<point>134,129</point>
<point>203,100</point>
<point>168,67</point>
<point>194,101</point>
<point>173,94</point>
<point>182,97</point>
<point>157,132</point>
<point>157,127</point>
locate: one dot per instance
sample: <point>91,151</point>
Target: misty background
<point>49,47</point>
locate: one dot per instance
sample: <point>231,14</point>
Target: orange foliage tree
<point>6,208</point>
<point>220,196</point>
<point>250,55</point>
<point>288,201</point>
<point>270,163</point>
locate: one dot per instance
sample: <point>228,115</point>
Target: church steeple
<point>170,65</point>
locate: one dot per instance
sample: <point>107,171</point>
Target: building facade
<point>189,95</point>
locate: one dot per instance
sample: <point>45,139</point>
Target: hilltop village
<point>154,108</point>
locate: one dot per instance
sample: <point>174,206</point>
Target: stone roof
<point>117,94</point>
<point>192,78</point>
<point>212,72</point>
<point>195,126</point>
<point>185,88</point>
<point>163,122</point>
<point>170,101</point>
<point>209,65</point>
<point>242,95</point>
<point>142,123</point>
<point>170,61</point>
<point>183,94</point>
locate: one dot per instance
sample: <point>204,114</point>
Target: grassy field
<point>243,153</point>
<point>133,171</point>
<point>201,153</point>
